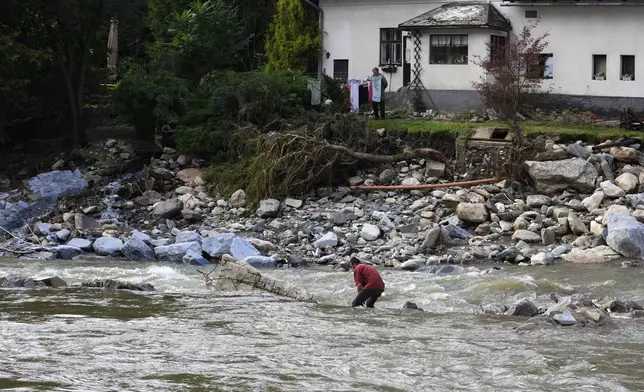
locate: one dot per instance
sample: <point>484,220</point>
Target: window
<point>531,14</point>
<point>599,67</point>
<point>448,49</point>
<point>628,68</point>
<point>542,68</point>
<point>497,47</point>
<point>341,70</point>
<point>390,46</point>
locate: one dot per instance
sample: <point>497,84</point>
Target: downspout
<point>321,27</point>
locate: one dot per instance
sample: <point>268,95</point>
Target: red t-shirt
<point>368,277</point>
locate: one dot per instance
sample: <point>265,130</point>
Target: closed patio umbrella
<point>113,47</point>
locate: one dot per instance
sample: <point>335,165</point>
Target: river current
<point>185,338</point>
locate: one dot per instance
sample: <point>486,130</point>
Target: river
<point>184,338</point>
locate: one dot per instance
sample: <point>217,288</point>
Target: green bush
<point>151,100</point>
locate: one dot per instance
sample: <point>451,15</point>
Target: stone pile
<point>585,206</point>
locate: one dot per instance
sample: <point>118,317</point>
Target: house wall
<point>576,33</point>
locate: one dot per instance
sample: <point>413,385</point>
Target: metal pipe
<point>540,4</point>
<point>422,187</point>
<point>321,27</point>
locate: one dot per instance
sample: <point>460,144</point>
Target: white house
<point>594,59</point>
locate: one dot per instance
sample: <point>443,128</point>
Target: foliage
<point>294,40</point>
<point>203,37</point>
<point>151,100</point>
<point>505,85</point>
<point>255,17</point>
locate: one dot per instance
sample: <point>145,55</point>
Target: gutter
<point>564,4</point>
<point>321,27</point>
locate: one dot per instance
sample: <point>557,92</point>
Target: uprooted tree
<point>513,74</point>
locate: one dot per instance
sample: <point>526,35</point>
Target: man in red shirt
<point>369,283</point>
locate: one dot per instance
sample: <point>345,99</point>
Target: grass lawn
<point>566,132</point>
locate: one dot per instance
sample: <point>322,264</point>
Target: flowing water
<point>184,338</point>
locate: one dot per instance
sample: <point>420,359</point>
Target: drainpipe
<point>321,26</point>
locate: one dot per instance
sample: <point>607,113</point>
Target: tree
<point>293,41</point>
<point>255,17</point>
<point>509,83</point>
<point>204,37</point>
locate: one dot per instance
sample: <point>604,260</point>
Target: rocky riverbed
<point>585,205</point>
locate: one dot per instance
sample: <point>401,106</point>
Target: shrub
<point>151,100</point>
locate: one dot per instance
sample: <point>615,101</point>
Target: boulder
<point>188,236</point>
<point>411,265</point>
<point>536,201</point>
<point>434,169</point>
<point>432,238</point>
<point>218,245</point>
<point>412,306</point>
<point>263,246</point>
<point>81,243</point>
<point>136,249</point>
<point>593,201</point>
<point>624,154</point>
<point>328,240</point>
<point>611,190</point>
<point>597,255</point>
<point>625,234</point>
<point>191,176</point>
<point>84,222</point>
<point>576,225</point>
<point>526,236</point>
<point>554,176</point>
<point>66,252</point>
<point>238,198</point>
<point>627,182</point>
<point>168,209</point>
<point>107,246</point>
<point>139,235</point>
<point>386,176</point>
<point>618,306</point>
<point>268,208</point>
<point>494,309</point>
<point>17,281</point>
<point>472,212</point>
<point>173,253</point>
<point>293,203</point>
<point>241,248</point>
<point>194,256</point>
<point>370,232</point>
<point>523,308</point>
<point>110,284</point>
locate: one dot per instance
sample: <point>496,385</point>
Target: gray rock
<point>168,209</point>
<point>523,308</point>
<point>412,265</point>
<point>81,243</point>
<point>432,237</point>
<point>578,150</point>
<point>136,249</point>
<point>411,306</point>
<point>194,256</point>
<point>293,203</point>
<point>560,250</point>
<point>63,235</point>
<point>218,245</point>
<point>188,236</point>
<point>611,190</point>
<point>84,222</point>
<point>43,229</point>
<point>109,284</point>
<point>526,236</point>
<point>328,240</point>
<point>536,201</point>
<point>494,309</point>
<point>509,254</point>
<point>540,258</point>
<point>625,234</point>
<point>238,198</point>
<point>387,175</point>
<point>268,208</point>
<point>548,236</point>
<point>597,255</point>
<point>107,246</point>
<point>472,212</point>
<point>576,225</point>
<point>173,253</point>
<point>564,318</point>
<point>593,201</point>
<point>66,252</point>
<point>618,306</point>
<point>141,236</point>
<point>56,183</point>
<point>555,176</point>
<point>434,169</point>
<point>627,182</point>
<point>370,232</point>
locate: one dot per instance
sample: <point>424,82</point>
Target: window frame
<point>448,54</point>
<point>541,69</point>
<point>502,47</point>
<point>597,60</point>
<point>397,40</point>
<point>621,68</point>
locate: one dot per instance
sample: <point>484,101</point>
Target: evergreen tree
<point>293,41</point>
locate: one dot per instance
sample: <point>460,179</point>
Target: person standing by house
<point>368,282</point>
<point>379,86</point>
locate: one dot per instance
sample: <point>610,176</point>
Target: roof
<point>460,15</point>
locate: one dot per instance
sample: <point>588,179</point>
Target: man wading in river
<point>369,283</point>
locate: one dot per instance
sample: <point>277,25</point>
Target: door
<point>341,70</point>
<point>406,61</point>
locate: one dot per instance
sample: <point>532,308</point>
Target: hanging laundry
<point>376,82</point>
<point>355,95</point>
<point>314,86</point>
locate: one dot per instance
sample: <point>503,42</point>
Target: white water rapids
<point>185,338</point>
